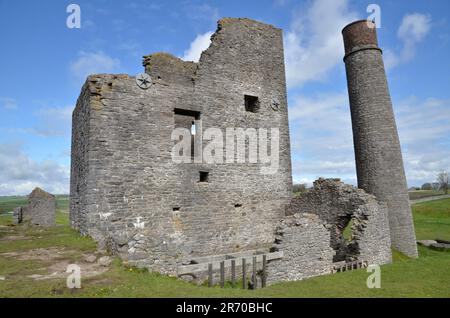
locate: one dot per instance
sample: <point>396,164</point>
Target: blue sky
<point>44,63</point>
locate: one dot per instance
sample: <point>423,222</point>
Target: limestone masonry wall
<point>126,191</point>
<point>305,242</point>
<point>312,237</point>
<point>342,206</point>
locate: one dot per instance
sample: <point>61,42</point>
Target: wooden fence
<point>233,274</point>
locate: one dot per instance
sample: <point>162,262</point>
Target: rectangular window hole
<point>188,119</point>
<point>204,175</point>
<point>187,112</point>
<point>251,103</point>
<point>238,205</point>
<point>176,208</point>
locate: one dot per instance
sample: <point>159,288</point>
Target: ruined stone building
<point>129,194</point>
<point>125,188</point>
<point>41,209</point>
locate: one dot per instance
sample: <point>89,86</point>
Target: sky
<point>43,64</point>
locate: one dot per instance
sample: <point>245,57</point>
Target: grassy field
<point>428,276</point>
<point>432,220</point>
<point>7,204</point>
<point>420,194</point>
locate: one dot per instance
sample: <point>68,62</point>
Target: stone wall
<point>40,210</point>
<point>17,215</point>
<point>126,191</point>
<point>312,239</point>
<point>305,242</point>
<point>342,207</point>
<point>80,161</point>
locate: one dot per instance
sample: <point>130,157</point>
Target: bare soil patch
<point>54,262</point>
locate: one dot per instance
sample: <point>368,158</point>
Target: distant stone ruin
<point>188,218</point>
<point>40,210</point>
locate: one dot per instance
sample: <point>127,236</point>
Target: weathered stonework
<point>17,215</point>
<point>379,162</point>
<point>312,234</point>
<point>40,210</point>
<point>305,242</point>
<point>340,206</point>
<point>128,194</point>
<point>177,218</point>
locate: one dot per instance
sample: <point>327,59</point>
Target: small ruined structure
<point>195,217</point>
<point>40,210</point>
<point>379,162</point>
<point>312,239</point>
<point>304,240</point>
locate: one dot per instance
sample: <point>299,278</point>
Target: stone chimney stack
<point>379,162</point>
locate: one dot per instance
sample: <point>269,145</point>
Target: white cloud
<point>424,127</point>
<point>54,121</point>
<point>132,47</point>
<point>321,134</point>
<point>323,125</point>
<point>57,113</point>
<point>413,29</point>
<point>200,43</point>
<point>93,63</point>
<point>202,12</point>
<point>313,45</point>
<point>50,122</point>
<point>19,174</point>
<point>322,141</point>
<point>8,103</point>
<point>307,108</point>
<point>423,120</point>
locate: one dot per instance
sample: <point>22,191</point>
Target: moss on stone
<point>167,58</point>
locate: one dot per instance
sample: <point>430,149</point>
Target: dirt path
<point>54,262</point>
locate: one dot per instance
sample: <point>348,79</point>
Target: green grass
<point>432,219</point>
<point>420,194</point>
<point>7,204</point>
<point>427,276</point>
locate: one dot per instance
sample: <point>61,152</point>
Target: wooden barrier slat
<point>210,275</point>
<point>189,269</point>
<point>264,273</point>
<point>222,274</point>
<point>233,272</point>
<point>244,274</point>
<point>255,280</point>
